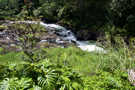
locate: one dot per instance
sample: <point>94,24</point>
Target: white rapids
<point>68,35</point>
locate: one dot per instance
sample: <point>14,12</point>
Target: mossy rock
<point>2,27</point>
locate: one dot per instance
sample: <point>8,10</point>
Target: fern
<point>48,80</point>
<point>25,83</point>
<point>8,84</point>
<point>36,88</point>
<point>15,84</point>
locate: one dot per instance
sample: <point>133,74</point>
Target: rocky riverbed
<point>54,36</point>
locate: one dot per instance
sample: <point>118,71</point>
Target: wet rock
<point>87,35</point>
<point>56,36</point>
<point>46,45</point>
<point>50,38</point>
<point>6,42</point>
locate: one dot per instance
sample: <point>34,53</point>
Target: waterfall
<point>67,35</point>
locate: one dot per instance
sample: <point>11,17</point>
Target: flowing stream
<point>67,35</point>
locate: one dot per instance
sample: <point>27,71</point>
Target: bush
<point>60,71</point>
<point>101,80</point>
<point>43,75</point>
<point>46,75</point>
<point>28,36</point>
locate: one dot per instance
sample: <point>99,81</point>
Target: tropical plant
<point>109,81</point>
<point>43,75</point>
<point>29,35</point>
<point>15,84</point>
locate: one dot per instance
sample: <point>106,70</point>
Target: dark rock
<point>6,42</point>
<point>50,38</point>
<point>87,35</point>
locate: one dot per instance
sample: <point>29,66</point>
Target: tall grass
<point>118,57</point>
<point>102,71</point>
<point>11,58</point>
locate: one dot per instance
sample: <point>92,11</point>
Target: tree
<point>123,15</point>
<point>122,11</point>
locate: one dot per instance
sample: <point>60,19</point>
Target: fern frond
<point>15,84</point>
<point>25,83</point>
<point>36,88</point>
<point>48,80</point>
<point>8,84</point>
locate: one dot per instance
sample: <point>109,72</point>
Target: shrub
<point>28,35</point>
<point>101,80</point>
<point>44,75</point>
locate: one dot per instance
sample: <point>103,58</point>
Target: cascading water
<point>66,35</point>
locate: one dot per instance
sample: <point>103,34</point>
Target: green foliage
<point>47,10</point>
<point>86,62</point>
<point>101,80</point>
<point>29,35</point>
<point>31,70</point>
<point>24,13</point>
<point>120,7</point>
<point>64,11</point>
<point>11,57</point>
<point>100,71</point>
<point>113,30</point>
<point>97,75</point>
<point>8,8</point>
<point>15,84</point>
<point>122,15</point>
<point>78,14</point>
<point>2,27</point>
<point>44,75</point>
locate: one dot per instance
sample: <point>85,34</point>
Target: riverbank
<point>52,50</point>
<point>53,35</point>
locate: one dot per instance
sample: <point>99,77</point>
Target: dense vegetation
<point>60,70</point>
<point>88,15</point>
<point>111,22</point>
